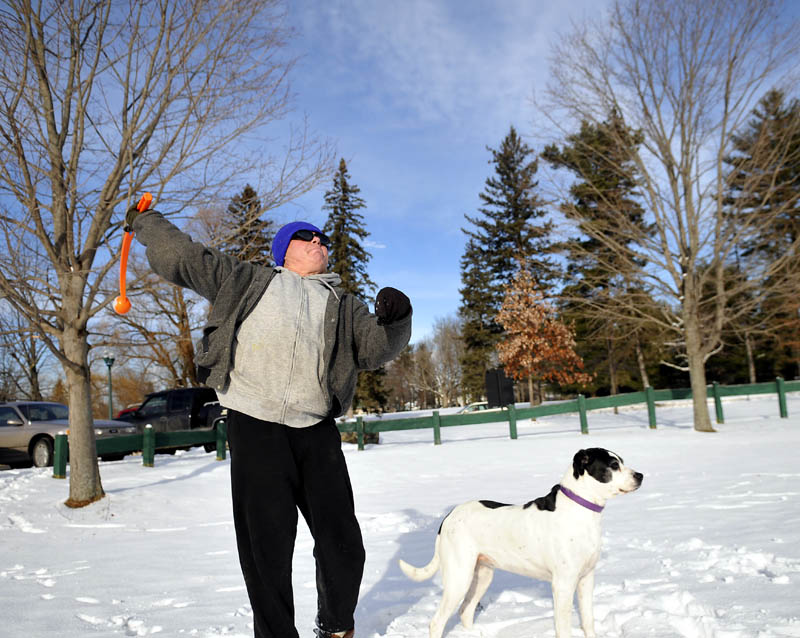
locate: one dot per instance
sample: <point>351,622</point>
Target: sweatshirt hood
<point>328,279</point>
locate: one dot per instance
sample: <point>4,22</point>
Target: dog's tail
<point>422,573</point>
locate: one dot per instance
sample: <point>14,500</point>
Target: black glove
<point>130,215</point>
<point>391,305</point>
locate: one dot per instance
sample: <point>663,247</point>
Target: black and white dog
<point>554,538</point>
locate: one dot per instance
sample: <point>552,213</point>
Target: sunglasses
<point>308,235</point>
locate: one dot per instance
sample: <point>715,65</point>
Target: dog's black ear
<point>579,463</point>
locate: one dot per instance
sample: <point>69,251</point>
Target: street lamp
<point>109,361</point>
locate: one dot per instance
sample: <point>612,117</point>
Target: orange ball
<point>122,305</point>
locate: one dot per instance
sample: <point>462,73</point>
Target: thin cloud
<point>430,63</point>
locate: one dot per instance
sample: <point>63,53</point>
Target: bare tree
<point>399,372</point>
<point>423,377</point>
<point>685,74</point>
<point>101,100</point>
<point>428,373</point>
<point>24,355</point>
<point>157,335</point>
<point>447,348</point>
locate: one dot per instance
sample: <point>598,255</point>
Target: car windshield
<point>44,411</point>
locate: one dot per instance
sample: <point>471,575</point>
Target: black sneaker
<point>321,633</point>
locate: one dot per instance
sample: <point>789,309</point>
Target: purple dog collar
<point>581,501</point>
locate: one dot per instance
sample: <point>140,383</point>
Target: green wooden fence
<point>149,442</point>
<point>580,405</point>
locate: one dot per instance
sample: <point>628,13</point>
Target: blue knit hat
<point>284,236</point>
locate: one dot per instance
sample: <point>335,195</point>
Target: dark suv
<point>177,409</point>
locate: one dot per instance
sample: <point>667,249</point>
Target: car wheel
<point>42,453</point>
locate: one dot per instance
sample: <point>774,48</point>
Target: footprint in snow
<point>23,525</point>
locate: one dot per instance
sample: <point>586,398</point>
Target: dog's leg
<point>563,595</point>
<point>585,604</point>
<point>480,583</point>
<point>456,580</point>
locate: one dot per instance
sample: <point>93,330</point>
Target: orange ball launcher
<point>122,304</point>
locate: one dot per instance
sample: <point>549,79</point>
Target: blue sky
<point>412,93</point>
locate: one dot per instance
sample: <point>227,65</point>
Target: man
<point>282,347</point>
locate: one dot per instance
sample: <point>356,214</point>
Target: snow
<point>708,547</point>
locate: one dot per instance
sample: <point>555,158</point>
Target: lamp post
<point>109,361</point>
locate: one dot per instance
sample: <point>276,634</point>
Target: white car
<point>476,407</point>
<point>28,429</point>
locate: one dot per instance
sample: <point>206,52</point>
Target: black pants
<point>276,470</point>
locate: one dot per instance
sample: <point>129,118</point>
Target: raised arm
<point>179,259</point>
<point>380,337</point>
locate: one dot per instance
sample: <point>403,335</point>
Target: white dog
<point>554,538</point>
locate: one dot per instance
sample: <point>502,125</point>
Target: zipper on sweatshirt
<point>293,360</point>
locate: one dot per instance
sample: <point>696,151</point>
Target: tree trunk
<point>751,363</point>
<point>36,389</point>
<point>612,371</point>
<point>697,377</point>
<point>530,390</point>
<point>640,362</point>
<point>84,473</point>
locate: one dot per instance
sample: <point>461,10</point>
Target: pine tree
<point>601,157</point>
<point>371,392</point>
<point>345,227</point>
<point>247,236</point>
<point>511,223</point>
<point>765,173</point>
<point>479,330</point>
<point>510,226</point>
<point>765,176</point>
<point>348,258</point>
<point>536,344</point>
<point>600,262</point>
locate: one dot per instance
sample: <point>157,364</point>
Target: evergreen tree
<point>510,225</point>
<point>765,176</point>
<point>765,173</point>
<point>601,262</point>
<point>601,157</point>
<point>348,258</point>
<point>371,392</point>
<point>345,227</point>
<point>479,330</point>
<point>247,236</point>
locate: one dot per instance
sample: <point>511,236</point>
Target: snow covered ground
<point>708,547</point>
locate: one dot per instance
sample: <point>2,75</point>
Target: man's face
<point>306,257</point>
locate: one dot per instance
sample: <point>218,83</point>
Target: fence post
<point>437,425</point>
<point>582,412</point>
<point>650,395</point>
<point>717,402</point>
<point>222,440</point>
<point>360,432</point>
<point>60,452</point>
<point>512,421</point>
<point>148,446</point>
<point>782,397</point>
